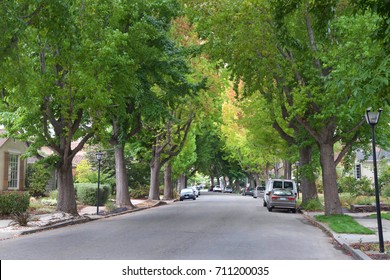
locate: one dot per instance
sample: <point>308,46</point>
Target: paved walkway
<point>346,240</point>
<point>59,219</point>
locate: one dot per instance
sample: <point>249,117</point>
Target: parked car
<point>283,199</point>
<point>187,194</point>
<point>196,191</point>
<point>248,191</point>
<point>228,190</point>
<point>258,192</point>
<point>278,184</point>
<point>217,189</point>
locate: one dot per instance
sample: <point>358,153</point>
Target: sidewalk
<point>58,219</point>
<point>346,240</point>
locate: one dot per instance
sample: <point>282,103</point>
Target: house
<point>12,165</point>
<point>364,165</point>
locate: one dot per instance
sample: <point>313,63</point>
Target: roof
<point>380,154</point>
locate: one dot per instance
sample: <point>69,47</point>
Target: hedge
<point>14,202</point>
<point>87,192</point>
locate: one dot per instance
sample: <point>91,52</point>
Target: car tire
<point>194,198</point>
<point>264,204</point>
<point>294,210</point>
<point>181,199</point>
<point>269,209</point>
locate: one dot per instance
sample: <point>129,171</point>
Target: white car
<point>196,191</point>
<point>217,189</point>
<point>278,184</point>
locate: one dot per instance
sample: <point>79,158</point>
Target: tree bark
<point>181,182</point>
<point>66,193</point>
<point>329,176</point>
<point>155,168</point>
<point>257,179</point>
<point>168,186</point>
<point>308,185</point>
<point>287,169</point>
<point>122,181</point>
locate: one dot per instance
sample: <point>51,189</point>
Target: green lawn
<point>343,224</point>
<point>385,216</point>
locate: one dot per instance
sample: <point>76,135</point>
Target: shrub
<point>364,200</point>
<point>14,202</point>
<point>312,205</point>
<point>86,193</point>
<point>356,187</point>
<point>139,193</point>
<point>38,178</point>
<point>49,202</point>
<point>386,191</point>
<point>20,218</point>
<point>109,206</point>
<point>54,194</point>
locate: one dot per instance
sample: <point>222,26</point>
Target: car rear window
<point>282,192</point>
<point>288,185</point>
<point>278,184</point>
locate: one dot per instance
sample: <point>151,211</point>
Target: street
<point>212,227</point>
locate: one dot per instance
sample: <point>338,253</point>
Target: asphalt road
<point>213,227</point>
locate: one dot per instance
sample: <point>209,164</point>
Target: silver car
<point>283,199</point>
<point>258,192</point>
<point>187,194</point>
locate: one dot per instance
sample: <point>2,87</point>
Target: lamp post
<point>99,156</point>
<point>372,119</point>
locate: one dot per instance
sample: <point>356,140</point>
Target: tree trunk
<point>168,186</point>
<point>287,169</point>
<point>122,181</point>
<point>181,182</point>
<point>257,179</point>
<point>66,192</point>
<point>251,180</point>
<point>329,179</point>
<point>307,180</point>
<point>155,167</point>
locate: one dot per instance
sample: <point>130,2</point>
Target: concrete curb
<point>356,254</point>
<point>88,218</point>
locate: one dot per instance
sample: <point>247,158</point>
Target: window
<point>288,185</point>
<point>13,168</point>
<point>278,184</point>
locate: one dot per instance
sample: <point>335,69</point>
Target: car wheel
<point>294,210</point>
<point>264,204</point>
<point>194,198</point>
<point>269,209</point>
<point>181,199</point>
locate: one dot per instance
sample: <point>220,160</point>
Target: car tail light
<point>274,197</point>
<point>291,198</point>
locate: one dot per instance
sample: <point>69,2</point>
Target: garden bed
<point>368,208</point>
<point>371,249</point>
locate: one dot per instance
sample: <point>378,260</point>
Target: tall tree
<point>50,93</point>
<point>292,50</point>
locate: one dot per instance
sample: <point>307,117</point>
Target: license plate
<point>282,198</point>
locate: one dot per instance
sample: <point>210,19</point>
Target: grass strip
<point>385,216</point>
<point>343,224</point>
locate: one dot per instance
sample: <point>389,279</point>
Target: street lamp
<point>99,156</point>
<point>372,119</point>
